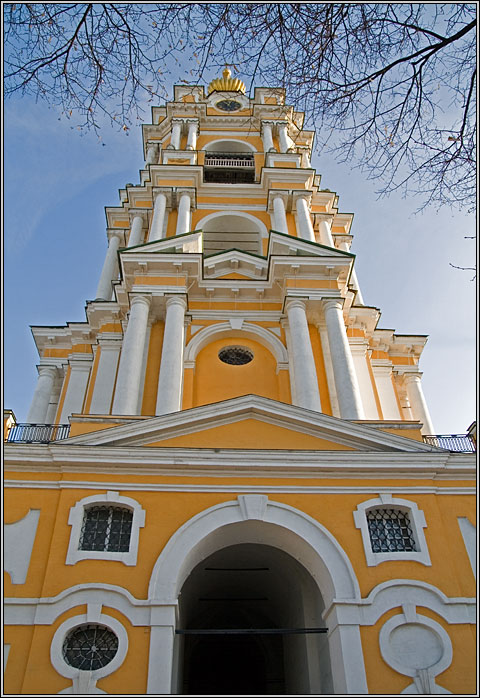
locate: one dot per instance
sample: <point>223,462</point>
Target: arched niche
<point>229,145</point>
<point>225,230</point>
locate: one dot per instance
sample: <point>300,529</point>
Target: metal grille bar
<point>38,433</point>
<point>251,631</point>
<point>451,442</point>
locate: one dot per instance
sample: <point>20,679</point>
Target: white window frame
<point>417,522</point>
<point>75,520</point>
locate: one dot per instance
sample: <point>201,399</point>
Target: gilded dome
<point>227,84</point>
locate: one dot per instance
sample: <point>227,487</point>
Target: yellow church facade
<point>228,479</point>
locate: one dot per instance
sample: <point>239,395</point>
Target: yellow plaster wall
<point>320,368</point>
<point>167,511</point>
<point>153,368</point>
<point>251,433</point>
<point>215,380</point>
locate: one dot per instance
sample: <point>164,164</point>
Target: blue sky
<point>58,182</point>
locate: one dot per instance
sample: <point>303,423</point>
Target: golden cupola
<point>227,84</point>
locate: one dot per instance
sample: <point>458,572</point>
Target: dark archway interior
<point>249,586</point>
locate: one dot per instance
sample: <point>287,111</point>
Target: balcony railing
<point>452,442</point>
<point>38,433</point>
<point>229,160</point>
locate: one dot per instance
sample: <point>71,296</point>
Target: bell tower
<point>229,238</point>
<point>228,481</point>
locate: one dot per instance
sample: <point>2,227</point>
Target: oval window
<point>236,356</point>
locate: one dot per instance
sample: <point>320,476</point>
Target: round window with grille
<point>236,356</point>
<point>90,647</point>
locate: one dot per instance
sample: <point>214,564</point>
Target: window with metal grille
<point>235,355</point>
<point>106,528</point>
<point>90,647</point>
<point>390,530</point>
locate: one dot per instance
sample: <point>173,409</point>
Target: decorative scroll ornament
<point>227,84</point>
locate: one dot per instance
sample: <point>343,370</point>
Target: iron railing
<point>38,433</point>
<point>452,442</point>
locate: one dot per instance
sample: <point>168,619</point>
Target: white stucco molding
<point>417,521</point>
<point>401,593</point>
<point>416,646</point>
<point>85,681</point>
<point>281,526</point>
<point>18,540</point>
<point>469,535</point>
<point>224,329</point>
<point>75,519</point>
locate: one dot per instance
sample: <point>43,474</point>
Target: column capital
<point>137,299</point>
<point>409,375</point>
<point>178,120</point>
<point>45,370</point>
<point>295,303</point>
<point>264,123</point>
<point>305,194</point>
<point>151,144</point>
<point>166,191</point>
<point>119,234</point>
<point>137,212</point>
<point>283,194</point>
<point>191,120</point>
<point>176,300</point>
<point>190,191</point>
<point>335,303</point>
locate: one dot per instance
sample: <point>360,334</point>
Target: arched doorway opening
<point>251,586</point>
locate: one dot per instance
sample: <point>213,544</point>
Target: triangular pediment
<point>249,422</point>
<point>282,244</point>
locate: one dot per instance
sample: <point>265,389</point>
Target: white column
<point>77,385</point>
<point>105,379</point>
<point>152,154</point>
<point>158,220</point>
<point>417,401</point>
<point>183,216</point>
<point>303,219</point>
<point>129,370</point>
<point>382,371</point>
<point>267,138</point>
<point>41,397</point>
<point>109,271</point>
<point>325,233</point>
<point>176,134</point>
<point>348,392</point>
<point>283,139</point>
<point>136,229</point>
<point>306,158</point>
<point>169,393</point>
<point>279,214</point>
<point>359,298</point>
<point>306,383</point>
<point>192,134</point>
<point>359,351</point>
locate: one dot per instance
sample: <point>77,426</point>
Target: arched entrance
<point>252,587</point>
<point>302,552</point>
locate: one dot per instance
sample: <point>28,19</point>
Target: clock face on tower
<point>228,105</point>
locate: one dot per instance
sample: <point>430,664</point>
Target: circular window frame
<point>70,672</point>
<point>236,347</point>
